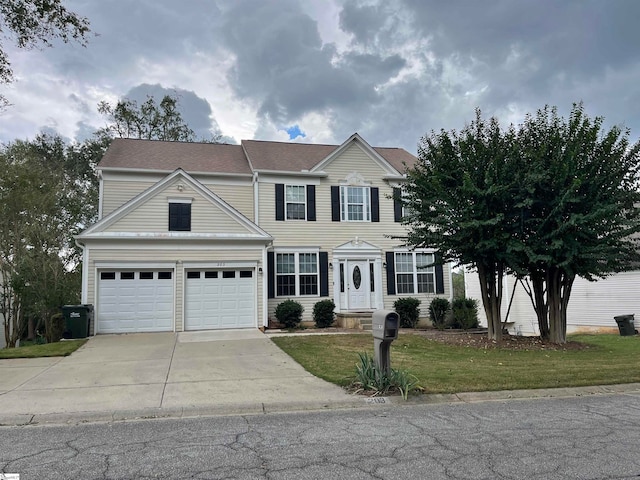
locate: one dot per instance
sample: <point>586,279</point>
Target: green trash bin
<point>625,325</point>
<point>77,320</point>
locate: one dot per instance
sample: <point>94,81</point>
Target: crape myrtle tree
<point>459,196</point>
<point>551,201</point>
<point>578,209</point>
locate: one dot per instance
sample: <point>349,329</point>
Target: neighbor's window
<point>355,204</point>
<point>415,272</point>
<point>296,274</point>
<point>295,202</point>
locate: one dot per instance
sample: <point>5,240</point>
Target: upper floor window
<point>179,216</point>
<point>351,203</point>
<point>415,272</point>
<point>355,204</point>
<point>296,274</point>
<point>295,202</point>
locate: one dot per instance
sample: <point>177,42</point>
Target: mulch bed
<point>479,339</point>
<point>472,339</point>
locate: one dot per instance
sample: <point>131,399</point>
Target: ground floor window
<point>296,274</point>
<point>415,272</point>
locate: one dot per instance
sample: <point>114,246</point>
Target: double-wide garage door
<point>143,301</point>
<point>219,299</point>
<point>135,301</point>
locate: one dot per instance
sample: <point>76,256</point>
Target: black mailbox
<point>385,324</point>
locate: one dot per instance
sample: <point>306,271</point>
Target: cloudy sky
<point>319,70</point>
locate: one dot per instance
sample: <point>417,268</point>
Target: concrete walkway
<point>149,375</point>
<point>162,374</point>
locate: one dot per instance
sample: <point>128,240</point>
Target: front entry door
<point>358,285</point>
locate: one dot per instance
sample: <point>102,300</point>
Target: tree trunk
<point>491,291</point>
<point>559,284</point>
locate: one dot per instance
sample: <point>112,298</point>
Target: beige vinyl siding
<point>178,257</point>
<point>153,215</point>
<point>239,197</point>
<point>117,192</point>
<point>327,235</point>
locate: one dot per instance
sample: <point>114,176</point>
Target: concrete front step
<point>354,320</point>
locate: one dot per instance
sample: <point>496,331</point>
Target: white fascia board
<point>182,236</point>
<point>277,176</point>
<point>177,246</point>
<point>358,140</point>
<point>135,174</point>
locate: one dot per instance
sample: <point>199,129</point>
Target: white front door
<point>358,285</point>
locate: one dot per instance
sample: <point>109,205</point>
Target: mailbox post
<point>385,325</point>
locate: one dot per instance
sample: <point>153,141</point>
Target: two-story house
<point>198,236</point>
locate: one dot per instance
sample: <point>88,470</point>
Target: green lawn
<point>442,368</point>
<point>57,349</point>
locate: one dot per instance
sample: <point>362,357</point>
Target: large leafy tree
<point>578,209</point>
<point>551,201</point>
<point>458,194</point>
<point>32,23</point>
<point>150,120</point>
<point>38,215</point>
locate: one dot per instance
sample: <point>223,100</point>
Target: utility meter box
<point>385,324</point>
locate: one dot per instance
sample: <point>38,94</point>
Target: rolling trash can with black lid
<point>77,320</point>
<point>625,325</point>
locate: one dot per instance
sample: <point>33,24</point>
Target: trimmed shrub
<point>289,313</point>
<point>54,328</point>
<point>464,313</point>
<point>323,314</point>
<point>409,311</point>
<point>438,309</point>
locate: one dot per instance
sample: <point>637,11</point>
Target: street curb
<point>353,402</point>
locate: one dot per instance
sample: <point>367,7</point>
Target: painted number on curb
<point>376,400</point>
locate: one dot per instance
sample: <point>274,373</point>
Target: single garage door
<point>135,301</point>
<point>220,299</point>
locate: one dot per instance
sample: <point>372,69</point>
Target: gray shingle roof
<point>236,159</point>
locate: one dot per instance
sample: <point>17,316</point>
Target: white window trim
<point>297,272</point>
<point>304,202</point>
<point>179,200</point>
<point>344,211</point>
<point>429,270</point>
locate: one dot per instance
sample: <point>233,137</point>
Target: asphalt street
<point>594,437</point>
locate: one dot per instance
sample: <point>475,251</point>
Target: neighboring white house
<point>592,305</point>
<point>201,236</point>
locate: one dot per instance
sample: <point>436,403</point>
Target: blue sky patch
<point>295,132</point>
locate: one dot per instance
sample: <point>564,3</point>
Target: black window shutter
<point>375,204</point>
<point>439,274</point>
<point>391,274</point>
<point>335,204</point>
<point>397,205</point>
<point>179,217</point>
<point>279,201</point>
<point>271,287</point>
<point>311,203</point>
<point>324,274</point>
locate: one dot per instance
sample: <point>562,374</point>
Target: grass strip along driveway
<point>57,349</point>
<point>442,368</point>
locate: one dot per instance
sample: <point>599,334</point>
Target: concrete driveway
<point>162,374</point>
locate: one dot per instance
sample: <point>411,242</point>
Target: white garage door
<point>220,299</point>
<point>135,301</point>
